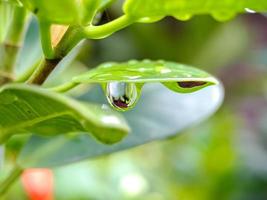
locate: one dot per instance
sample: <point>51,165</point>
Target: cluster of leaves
<point>27,109</point>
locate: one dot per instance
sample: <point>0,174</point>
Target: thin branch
<point>43,71</point>
<point>102,31</point>
<point>12,43</point>
<point>7,183</point>
<point>46,40</point>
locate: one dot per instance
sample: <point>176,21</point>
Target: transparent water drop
<point>183,17</point>
<point>150,19</point>
<point>223,16</point>
<point>191,84</point>
<point>122,96</point>
<point>132,62</point>
<point>146,61</point>
<point>186,86</point>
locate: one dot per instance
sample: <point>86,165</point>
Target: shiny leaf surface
<point>159,114</point>
<point>151,10</point>
<point>184,78</point>
<point>25,109</point>
<point>67,12</point>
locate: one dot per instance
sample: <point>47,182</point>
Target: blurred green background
<point>224,157</point>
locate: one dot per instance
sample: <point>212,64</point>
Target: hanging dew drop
<point>122,96</point>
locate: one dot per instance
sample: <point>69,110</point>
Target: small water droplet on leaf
<point>223,16</point>
<point>122,96</point>
<point>183,17</point>
<point>191,84</point>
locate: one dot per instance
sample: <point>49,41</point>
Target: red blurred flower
<point>38,183</point>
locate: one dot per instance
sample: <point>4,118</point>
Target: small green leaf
<point>29,109</point>
<point>148,71</point>
<point>123,82</point>
<point>159,114</point>
<point>184,9</point>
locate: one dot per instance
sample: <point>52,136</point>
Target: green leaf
<point>159,114</point>
<point>123,82</point>
<point>69,12</point>
<point>153,10</point>
<point>5,18</point>
<point>175,76</point>
<point>13,2</point>
<point>29,109</point>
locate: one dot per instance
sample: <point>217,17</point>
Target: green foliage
<point>150,10</point>
<point>66,129</point>
<point>145,71</point>
<point>69,12</point>
<point>25,109</point>
<point>159,114</point>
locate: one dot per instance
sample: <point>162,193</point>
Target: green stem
<point>43,71</point>
<point>4,136</point>
<point>13,176</point>
<point>13,40</point>
<point>70,39</point>
<point>5,77</point>
<point>46,40</point>
<point>27,74</point>
<point>64,87</point>
<point>99,32</point>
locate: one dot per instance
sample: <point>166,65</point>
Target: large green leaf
<point>123,82</point>
<point>152,10</point>
<point>160,113</point>
<point>144,71</point>
<point>29,109</point>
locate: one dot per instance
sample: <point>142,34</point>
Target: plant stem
<point>27,74</point>
<point>43,71</point>
<point>11,46</point>
<point>102,31</point>
<point>70,39</point>
<point>46,40</point>
<point>13,176</point>
<point>64,87</point>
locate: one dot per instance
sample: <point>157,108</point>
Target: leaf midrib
<point>34,121</point>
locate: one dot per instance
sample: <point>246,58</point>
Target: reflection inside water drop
<point>122,95</point>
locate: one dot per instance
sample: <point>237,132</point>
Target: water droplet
<point>147,61</point>
<point>161,62</point>
<point>248,10</point>
<point>150,19</point>
<point>107,65</point>
<point>183,17</point>
<point>223,16</point>
<point>191,84</point>
<point>132,62</point>
<point>122,96</point>
<point>165,71</point>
